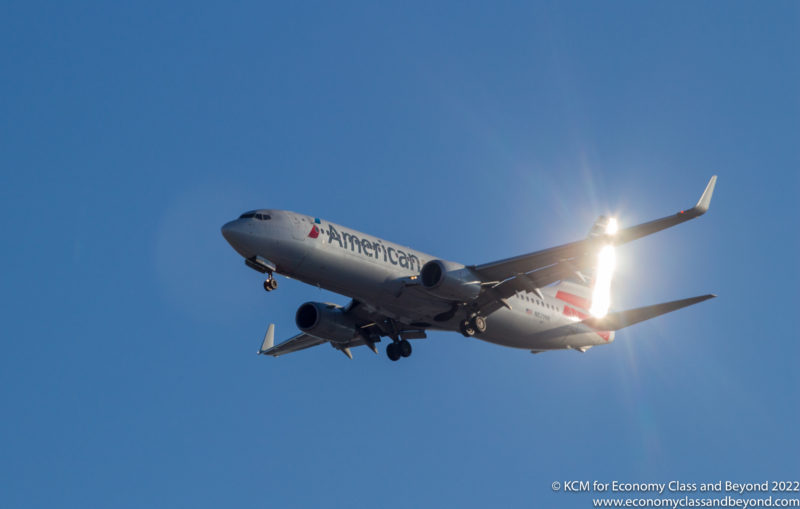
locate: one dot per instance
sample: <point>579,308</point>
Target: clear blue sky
<point>129,132</point>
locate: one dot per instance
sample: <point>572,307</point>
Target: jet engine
<point>451,281</point>
<point>325,321</point>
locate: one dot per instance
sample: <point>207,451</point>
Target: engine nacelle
<point>449,280</point>
<point>325,321</point>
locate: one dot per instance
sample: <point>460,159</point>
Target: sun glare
<point>611,226</point>
<point>606,263</point>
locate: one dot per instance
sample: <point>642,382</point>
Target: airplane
<point>553,299</point>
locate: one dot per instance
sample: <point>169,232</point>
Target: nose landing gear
<point>270,283</point>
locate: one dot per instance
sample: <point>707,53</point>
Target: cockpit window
<point>254,215</point>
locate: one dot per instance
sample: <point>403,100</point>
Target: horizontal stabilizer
<point>622,319</point>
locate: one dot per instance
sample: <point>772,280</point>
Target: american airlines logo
<point>369,248</point>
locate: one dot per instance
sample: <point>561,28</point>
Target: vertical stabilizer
<point>588,292</point>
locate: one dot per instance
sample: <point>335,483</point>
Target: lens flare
<point>606,263</point>
<point>611,226</point>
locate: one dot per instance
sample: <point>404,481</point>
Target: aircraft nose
<point>234,233</point>
<point>227,230</point>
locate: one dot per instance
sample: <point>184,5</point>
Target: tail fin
<point>577,291</point>
<point>577,295</point>
<point>602,226</point>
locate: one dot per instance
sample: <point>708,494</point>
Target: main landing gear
<point>398,349</point>
<point>474,325</point>
<point>270,283</point>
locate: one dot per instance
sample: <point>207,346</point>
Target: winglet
<point>705,200</point>
<point>269,339</point>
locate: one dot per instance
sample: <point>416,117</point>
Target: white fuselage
<point>377,273</point>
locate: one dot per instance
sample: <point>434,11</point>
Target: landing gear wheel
<point>478,323</point>
<point>404,347</point>
<point>393,351</point>
<point>270,284</point>
<point>467,329</point>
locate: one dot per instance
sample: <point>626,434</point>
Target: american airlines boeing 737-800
<point>552,299</point>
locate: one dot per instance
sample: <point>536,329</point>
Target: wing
<point>532,271</point>
<point>299,342</point>
<point>371,326</point>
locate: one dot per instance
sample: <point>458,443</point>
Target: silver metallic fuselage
<point>381,274</point>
